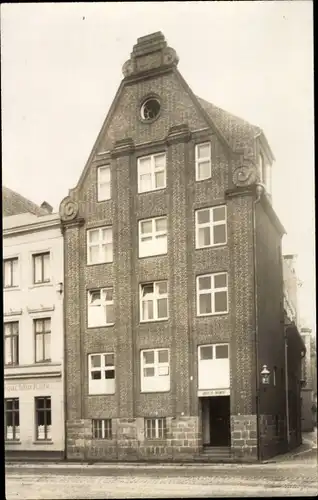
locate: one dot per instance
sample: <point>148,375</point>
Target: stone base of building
<point>183,440</point>
<point>128,443</point>
<point>244,444</point>
<point>33,455</point>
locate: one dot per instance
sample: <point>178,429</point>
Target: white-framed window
<point>102,428</point>
<point>100,307</point>
<point>101,370</point>
<point>213,366</point>
<point>43,418</point>
<point>155,370</point>
<point>203,161</point>
<point>41,268</point>
<point>153,236</point>
<point>151,172</point>
<point>210,226</point>
<point>103,183</point>
<point>154,301</point>
<point>212,294</point>
<point>11,343</point>
<point>100,245</point>
<point>10,272</point>
<point>155,428</point>
<point>42,334</point>
<point>12,419</point>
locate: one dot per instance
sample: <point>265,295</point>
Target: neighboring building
<point>292,317</point>
<point>173,280</point>
<point>33,329</point>
<point>307,392</point>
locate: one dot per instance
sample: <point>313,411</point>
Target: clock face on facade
<point>150,109</point>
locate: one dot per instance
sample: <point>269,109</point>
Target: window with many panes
<point>155,428</point>
<point>212,294</point>
<point>100,245</point>
<point>100,307</point>
<point>12,419</point>
<point>154,301</point>
<point>102,428</point>
<point>42,332</point>
<point>11,343</point>
<point>213,366</point>
<point>151,172</point>
<point>43,418</point>
<point>41,268</point>
<point>203,161</point>
<point>103,183</point>
<point>153,236</point>
<point>155,370</point>
<point>210,226</point>
<point>101,369</point>
<point>10,273</point>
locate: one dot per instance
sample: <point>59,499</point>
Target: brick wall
<point>183,331</point>
<point>270,330</point>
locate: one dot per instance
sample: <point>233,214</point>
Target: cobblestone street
<point>292,477</point>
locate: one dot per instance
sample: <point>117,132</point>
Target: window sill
<point>40,285</point>
<point>212,314</point>
<point>153,190</point>
<point>43,362</point>
<point>153,320</point>
<point>218,245</point>
<point>12,441</point>
<point>205,179</point>
<point>102,394</point>
<point>102,201</point>
<point>11,288</point>
<point>43,441</point>
<point>155,391</point>
<point>99,263</point>
<point>100,326</point>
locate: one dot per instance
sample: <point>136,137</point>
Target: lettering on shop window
<point>27,387</point>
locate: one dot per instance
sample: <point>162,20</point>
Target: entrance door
<point>220,426</point>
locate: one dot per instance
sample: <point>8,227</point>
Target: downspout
<point>259,190</point>
<point>286,388</point>
<point>64,349</point>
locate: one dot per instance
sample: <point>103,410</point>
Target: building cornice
<point>32,227</point>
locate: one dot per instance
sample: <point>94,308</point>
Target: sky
<point>62,65</point>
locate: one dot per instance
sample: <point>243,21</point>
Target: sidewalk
<point>306,450</point>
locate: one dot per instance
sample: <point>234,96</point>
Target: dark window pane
<point>220,280</point>
<point>206,352</point>
<point>221,352</point>
<point>205,306</point>
<point>203,216</point>
<point>220,301</point>
<point>40,402</point>
<point>109,359</point>
<point>218,214</point>
<point>204,283</point>
<point>110,374</point>
<point>96,375</point>
<point>219,234</point>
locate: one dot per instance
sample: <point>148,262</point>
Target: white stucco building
<point>33,334</point>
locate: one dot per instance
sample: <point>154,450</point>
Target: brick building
<point>173,279</point>
<point>33,329</point>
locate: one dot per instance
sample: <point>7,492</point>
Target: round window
<point>150,109</point>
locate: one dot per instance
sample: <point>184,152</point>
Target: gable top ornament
<point>151,52</point>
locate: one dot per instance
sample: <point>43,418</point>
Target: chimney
<point>47,207</point>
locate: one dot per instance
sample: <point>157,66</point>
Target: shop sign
<point>213,392</point>
<point>27,387</point>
